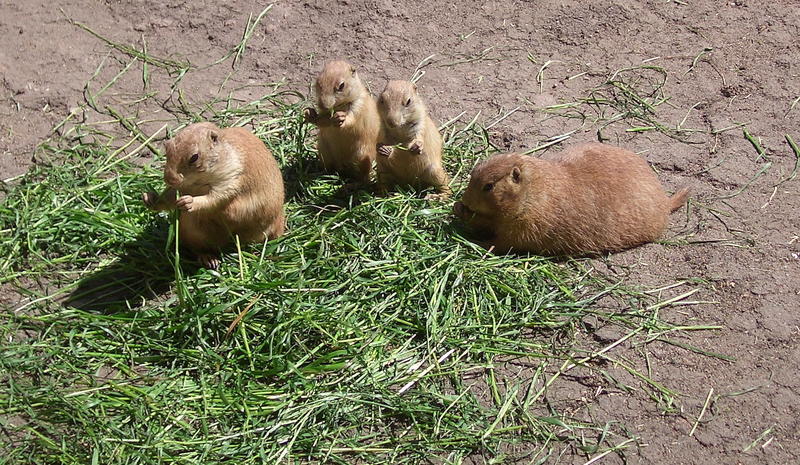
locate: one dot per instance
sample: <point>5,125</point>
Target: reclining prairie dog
<point>410,146</point>
<point>348,122</point>
<point>229,184</point>
<point>592,198</point>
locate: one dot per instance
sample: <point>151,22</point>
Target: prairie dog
<point>229,184</point>
<point>589,199</point>
<point>348,122</point>
<point>417,161</point>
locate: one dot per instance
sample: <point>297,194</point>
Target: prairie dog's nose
<point>327,104</point>
<point>394,122</point>
<point>173,179</point>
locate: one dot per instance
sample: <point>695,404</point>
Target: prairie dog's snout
<point>173,179</point>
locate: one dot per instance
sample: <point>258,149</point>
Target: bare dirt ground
<point>742,251</point>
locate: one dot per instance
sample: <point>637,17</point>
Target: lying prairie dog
<point>589,199</point>
<point>348,122</point>
<point>229,184</point>
<point>410,146</point>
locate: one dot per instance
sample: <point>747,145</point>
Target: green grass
<point>372,332</point>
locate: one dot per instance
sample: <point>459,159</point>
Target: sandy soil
<point>743,251</point>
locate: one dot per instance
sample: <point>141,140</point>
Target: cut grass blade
<point>170,66</point>
<point>756,144</point>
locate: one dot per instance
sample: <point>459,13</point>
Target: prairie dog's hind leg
<point>326,156</point>
<point>203,238</point>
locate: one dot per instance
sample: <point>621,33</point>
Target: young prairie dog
<point>410,146</point>
<point>229,184</point>
<point>592,198</point>
<point>348,122</point>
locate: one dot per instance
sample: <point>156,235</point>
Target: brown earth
<point>743,252</point>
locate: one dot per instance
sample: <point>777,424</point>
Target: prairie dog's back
<point>615,196</point>
<point>614,179</point>
<point>260,171</point>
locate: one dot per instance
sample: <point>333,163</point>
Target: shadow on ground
<point>143,271</point>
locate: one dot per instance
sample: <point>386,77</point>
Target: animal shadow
<point>143,271</point>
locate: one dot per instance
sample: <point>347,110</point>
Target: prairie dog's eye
<point>408,102</point>
<point>340,87</point>
<point>194,158</point>
<point>488,186</point>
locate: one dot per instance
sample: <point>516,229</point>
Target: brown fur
<point>233,187</point>
<point>348,122</point>
<point>592,198</point>
<point>405,122</point>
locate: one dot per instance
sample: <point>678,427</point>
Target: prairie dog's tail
<point>678,199</point>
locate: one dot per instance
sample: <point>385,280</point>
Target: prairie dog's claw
<point>310,115</point>
<point>149,199</point>
<point>209,261</point>
<point>384,150</point>
<point>185,203</point>
<point>339,117</point>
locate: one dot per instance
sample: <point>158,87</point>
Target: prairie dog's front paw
<point>416,147</point>
<point>149,199</point>
<point>310,115</point>
<point>460,210</point>
<point>384,150</point>
<point>339,118</point>
<point>185,203</point>
<point>438,197</point>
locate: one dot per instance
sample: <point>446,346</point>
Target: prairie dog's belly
<point>406,167</point>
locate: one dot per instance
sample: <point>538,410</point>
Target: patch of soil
<point>497,57</point>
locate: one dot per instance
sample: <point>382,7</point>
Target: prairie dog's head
<point>399,105</point>
<point>337,85</point>
<point>190,154</point>
<point>497,185</point>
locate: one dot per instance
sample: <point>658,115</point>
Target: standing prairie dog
<point>229,184</point>
<point>592,198</point>
<point>348,122</point>
<point>410,146</point>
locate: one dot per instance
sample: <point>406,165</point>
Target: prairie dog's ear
<point>169,146</point>
<point>352,70</point>
<point>213,134</point>
<point>516,174</point>
<point>414,86</point>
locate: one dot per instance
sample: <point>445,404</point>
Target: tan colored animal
<point>410,146</point>
<point>229,184</point>
<point>592,198</point>
<point>348,122</point>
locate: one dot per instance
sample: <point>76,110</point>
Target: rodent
<point>229,184</point>
<point>410,146</point>
<point>348,122</point>
<point>589,199</point>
